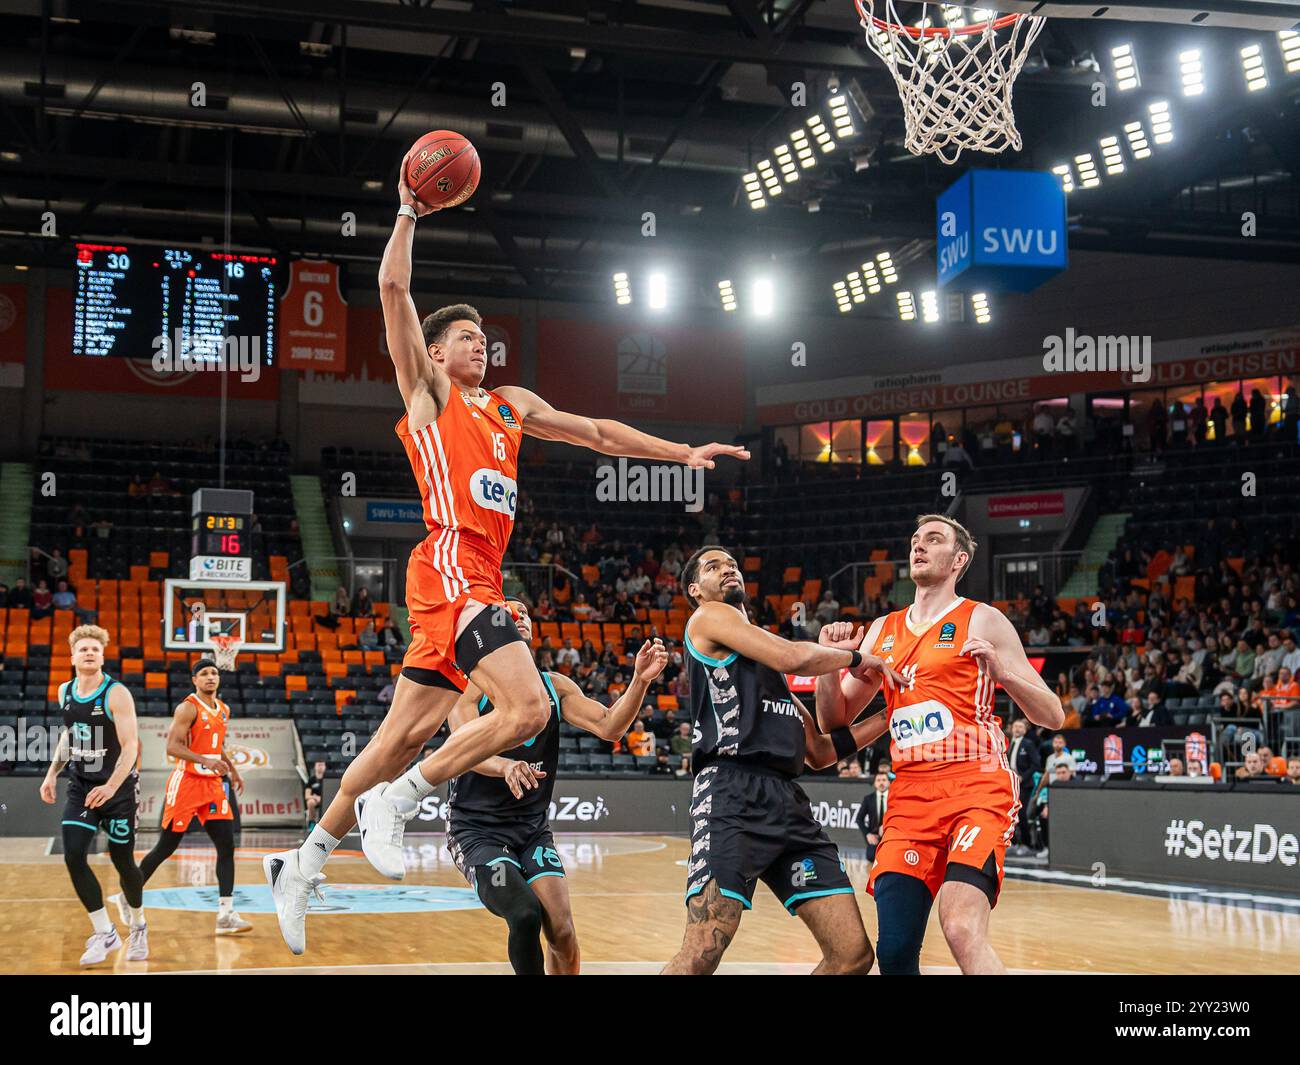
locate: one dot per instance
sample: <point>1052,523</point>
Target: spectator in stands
<point>1038,636</point>
<point>1243,664</point>
<point>1176,767</point>
<point>1239,412</point>
<point>1284,694</point>
<point>42,601</point>
<point>664,726</point>
<point>1061,773</point>
<point>1196,773</point>
<point>1293,767</point>
<point>828,610</point>
<point>1059,754</point>
<point>158,484</point>
<point>1065,432</point>
<point>1200,416</point>
<point>662,767</point>
<point>1025,760</point>
<point>849,768</point>
<point>1105,710</point>
<point>390,635</point>
<point>56,566</point>
<point>680,745</point>
<point>580,608</point>
<point>362,606</point>
<point>1154,714</point>
<point>1252,767</point>
<point>1219,419</point>
<point>1043,425</point>
<point>314,793</point>
<point>640,741</point>
<point>368,638</point>
<point>624,612</point>
<point>1258,413</point>
<point>568,654</point>
<point>871,812</point>
<point>340,606</point>
<point>544,611</point>
<point>65,598</point>
<point>957,455</point>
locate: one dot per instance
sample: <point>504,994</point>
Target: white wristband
<point>409,211</point>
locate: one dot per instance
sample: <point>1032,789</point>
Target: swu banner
<point>269,759</point>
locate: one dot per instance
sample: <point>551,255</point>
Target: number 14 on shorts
<point>964,838</point>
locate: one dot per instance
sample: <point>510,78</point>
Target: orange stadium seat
<point>752,564</point>
<point>667,702</point>
<point>294,682</point>
<point>155,681</point>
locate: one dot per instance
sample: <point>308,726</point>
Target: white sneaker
<point>137,944</point>
<point>231,924</point>
<point>122,910</point>
<point>290,891</point>
<point>100,945</point>
<point>381,820</point>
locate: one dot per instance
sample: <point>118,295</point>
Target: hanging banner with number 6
<point>314,318</point>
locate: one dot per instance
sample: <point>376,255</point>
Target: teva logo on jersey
<point>924,722</point>
<point>493,490</point>
<point>77,1018</point>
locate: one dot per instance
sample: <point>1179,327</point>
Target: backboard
<point>195,611</point>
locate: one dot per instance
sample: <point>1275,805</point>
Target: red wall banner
<point>641,372</point>
<point>1032,505</point>
<point>63,370</point>
<point>13,335</point>
<point>313,318</point>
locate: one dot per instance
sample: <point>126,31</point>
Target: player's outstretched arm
<point>994,643</point>
<point>612,722</point>
<point>423,384</point>
<point>840,699</point>
<point>724,626</point>
<point>607,436</point>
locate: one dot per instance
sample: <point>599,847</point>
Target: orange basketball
<point>443,169</point>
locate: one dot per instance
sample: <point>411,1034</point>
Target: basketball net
<point>224,651</point>
<point>953,73</point>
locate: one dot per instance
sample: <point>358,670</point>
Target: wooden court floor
<point>627,902</point>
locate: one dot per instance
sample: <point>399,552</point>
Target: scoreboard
<point>223,535</point>
<point>129,295</point>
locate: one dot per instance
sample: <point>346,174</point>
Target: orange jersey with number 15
<point>943,716</point>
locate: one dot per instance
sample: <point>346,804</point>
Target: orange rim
<point>915,32</point>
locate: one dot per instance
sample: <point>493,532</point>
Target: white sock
<point>99,918</point>
<point>316,848</point>
<point>225,905</point>
<point>410,785</point>
<point>137,915</point>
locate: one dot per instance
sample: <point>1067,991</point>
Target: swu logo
<point>494,490</point>
<point>920,723</point>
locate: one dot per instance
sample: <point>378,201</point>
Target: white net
<point>225,649</point>
<point>955,68</point>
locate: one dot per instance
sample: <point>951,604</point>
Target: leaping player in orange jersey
<point>197,788</point>
<point>463,444</point>
<point>954,801</point>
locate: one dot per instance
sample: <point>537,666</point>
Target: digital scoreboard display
<point>221,534</point>
<point>131,300</point>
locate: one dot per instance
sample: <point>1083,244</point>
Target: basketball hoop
<point>955,78</point>
<point>224,651</point>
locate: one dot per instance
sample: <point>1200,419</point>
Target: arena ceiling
<point>611,110</point>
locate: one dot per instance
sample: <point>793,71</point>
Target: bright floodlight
<point>842,299</point>
<point>1289,42</point>
<point>1088,178</point>
<point>763,297</point>
<point>855,287</point>
<point>930,305</point>
<point>906,308</point>
<point>1137,140</point>
<point>871,277</point>
<point>1111,155</point>
<point>1126,70</point>
<point>1192,71</point>
<point>1162,126</point>
<point>887,270</point>
<point>728,295</point>
<point>769,177</point>
<point>1067,179</point>
<point>754,190</point>
<point>840,116</point>
<point>789,171</point>
<point>657,293</point>
<point>980,305</point>
<point>622,290</point>
<point>1252,65</point>
<point>819,131</point>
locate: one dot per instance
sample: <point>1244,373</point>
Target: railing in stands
<point>1016,576</point>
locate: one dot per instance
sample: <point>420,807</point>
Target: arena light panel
<point>1162,126</point>
<point>754,190</point>
<point>727,293</point>
<point>657,291</point>
<point>930,306</point>
<point>1126,71</point>
<point>1192,71</point>
<point>871,277</point>
<point>979,303</point>
<point>1137,141</point>
<point>906,307</point>
<point>803,149</point>
<point>1252,66</point>
<point>789,169</point>
<point>842,298</point>
<point>1067,177</point>
<point>762,299</point>
<point>1088,178</point>
<point>841,119</point>
<point>769,178</point>
<point>821,134</point>
<point>622,288</point>
<point>1111,155</point>
<point>855,287</point>
<point>1289,42</point>
<point>887,271</point>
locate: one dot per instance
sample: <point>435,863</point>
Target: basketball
<point>443,169</point>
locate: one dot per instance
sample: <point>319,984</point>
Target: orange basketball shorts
<point>190,795</point>
<point>941,817</point>
<point>445,571</point>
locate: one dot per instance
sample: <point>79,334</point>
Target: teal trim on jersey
<point>107,693</point>
<point>63,690</point>
<point>482,702</point>
<point>705,658</point>
<point>694,891</point>
<point>538,876</point>
<point>813,895</point>
<point>93,828</point>
<point>555,699</point>
<point>736,895</point>
<point>504,858</point>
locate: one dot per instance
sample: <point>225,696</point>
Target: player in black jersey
<point>101,748</point>
<point>497,828</point>
<point>750,820</point>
